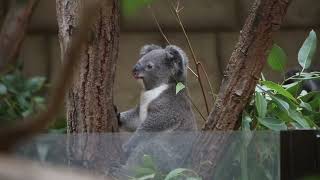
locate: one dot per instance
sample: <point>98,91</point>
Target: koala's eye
<point>149,66</point>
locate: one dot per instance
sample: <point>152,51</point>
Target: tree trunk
<point>90,99</point>
<point>14,29</point>
<point>241,77</point>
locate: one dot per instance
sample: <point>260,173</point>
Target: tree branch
<point>15,169</point>
<point>246,63</point>
<point>241,77</point>
<point>31,126</point>
<point>13,31</point>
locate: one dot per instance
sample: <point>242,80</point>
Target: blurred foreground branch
<point>14,169</point>
<point>9,136</point>
<point>13,31</point>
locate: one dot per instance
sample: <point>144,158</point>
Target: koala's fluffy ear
<point>147,48</point>
<point>179,59</point>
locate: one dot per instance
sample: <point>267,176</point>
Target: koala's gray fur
<point>161,112</point>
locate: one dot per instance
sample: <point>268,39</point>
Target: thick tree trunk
<point>14,29</point>
<point>241,77</point>
<point>90,98</point>
<point>246,63</point>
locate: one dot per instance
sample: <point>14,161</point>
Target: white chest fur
<point>146,98</point>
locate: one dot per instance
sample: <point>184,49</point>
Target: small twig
<point>176,13</point>
<point>193,72</point>
<point>164,36</point>
<point>208,80</point>
<point>196,108</point>
<point>158,24</point>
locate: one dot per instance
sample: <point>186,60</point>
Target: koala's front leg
<point>130,119</point>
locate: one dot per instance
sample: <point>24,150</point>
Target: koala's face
<point>159,66</point>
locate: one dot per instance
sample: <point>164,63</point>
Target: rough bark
<point>90,98</point>
<point>241,76</point>
<point>14,29</point>
<point>246,63</point>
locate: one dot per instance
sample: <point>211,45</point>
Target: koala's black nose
<point>137,68</point>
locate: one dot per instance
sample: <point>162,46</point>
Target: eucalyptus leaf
<point>280,103</point>
<point>308,50</point>
<point>129,7</point>
<point>142,172</point>
<point>148,162</point>
<point>246,120</point>
<point>305,105</point>
<point>3,89</point>
<point>293,88</point>
<point>179,87</point>
<point>273,123</point>
<point>279,89</point>
<point>277,58</point>
<point>310,96</point>
<point>35,84</point>
<point>177,172</point>
<point>261,104</point>
<point>296,116</point>
<point>150,176</point>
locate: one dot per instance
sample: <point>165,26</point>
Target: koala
<point>162,118</point>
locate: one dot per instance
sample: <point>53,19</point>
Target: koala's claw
<point>118,114</point>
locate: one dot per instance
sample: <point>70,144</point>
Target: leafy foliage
<point>148,170</point>
<point>129,7</point>
<point>277,58</point>
<point>307,50</point>
<point>280,107</point>
<point>20,97</point>
<point>179,87</point>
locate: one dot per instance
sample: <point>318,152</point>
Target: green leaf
<point>177,172</point>
<point>277,58</point>
<point>315,104</point>
<point>261,104</point>
<point>273,123</point>
<point>296,116</point>
<point>148,162</point>
<point>141,172</point>
<point>307,50</point>
<point>246,120</point>
<point>280,103</point>
<point>179,87</point>
<point>3,89</point>
<point>194,178</point>
<point>279,89</point>
<point>150,176</point>
<point>38,99</point>
<point>27,113</point>
<point>129,7</point>
<point>306,106</point>
<point>293,88</point>
<point>35,84</point>
<point>310,96</point>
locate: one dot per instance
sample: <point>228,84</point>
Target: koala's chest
<point>147,97</point>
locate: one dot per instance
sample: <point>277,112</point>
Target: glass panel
<point>214,155</point>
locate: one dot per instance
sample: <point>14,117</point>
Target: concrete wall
<point>213,26</point>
